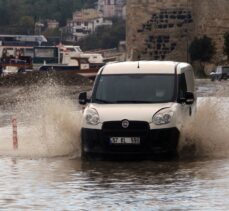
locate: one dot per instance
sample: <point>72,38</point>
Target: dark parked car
<point>221,72</point>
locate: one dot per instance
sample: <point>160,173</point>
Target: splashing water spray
<point>48,124</point>
<point>208,135</point>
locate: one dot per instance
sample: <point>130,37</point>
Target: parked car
<point>137,109</point>
<point>221,72</point>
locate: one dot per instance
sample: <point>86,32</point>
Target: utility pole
<point>187,35</point>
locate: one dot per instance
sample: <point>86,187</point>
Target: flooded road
<point>46,172</point>
<point>62,184</point>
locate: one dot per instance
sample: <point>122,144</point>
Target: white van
<point>137,109</point>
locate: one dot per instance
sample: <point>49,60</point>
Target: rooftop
<point>143,67</point>
<point>86,14</point>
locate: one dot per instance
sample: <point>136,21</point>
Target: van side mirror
<point>189,98</point>
<point>83,98</point>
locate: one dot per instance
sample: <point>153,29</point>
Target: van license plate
<point>125,140</point>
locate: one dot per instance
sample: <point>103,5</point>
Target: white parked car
<point>221,72</point>
<point>137,109</point>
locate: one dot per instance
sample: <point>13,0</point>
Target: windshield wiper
<point>132,101</point>
<point>103,101</point>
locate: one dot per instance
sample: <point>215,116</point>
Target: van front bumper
<point>152,142</point>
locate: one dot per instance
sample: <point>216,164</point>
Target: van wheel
<point>172,155</point>
<point>87,156</point>
<point>90,156</point>
<point>51,69</point>
<point>84,156</point>
<point>21,70</point>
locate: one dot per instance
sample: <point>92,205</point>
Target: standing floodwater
<point>42,174</point>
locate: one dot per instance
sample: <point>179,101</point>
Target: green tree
<point>226,44</point>
<point>202,50</point>
<point>105,36</point>
<point>27,24</point>
<point>52,32</point>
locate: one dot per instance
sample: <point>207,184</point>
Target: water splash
<point>208,135</point>
<point>48,123</point>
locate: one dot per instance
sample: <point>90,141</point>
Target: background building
<point>85,22</point>
<point>112,8</point>
<point>52,24</point>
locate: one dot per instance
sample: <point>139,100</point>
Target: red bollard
<point>15,139</point>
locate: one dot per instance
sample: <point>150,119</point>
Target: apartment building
<point>112,8</point>
<point>85,22</point>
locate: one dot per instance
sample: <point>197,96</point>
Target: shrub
<point>202,49</point>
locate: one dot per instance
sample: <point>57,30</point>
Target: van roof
<point>143,67</point>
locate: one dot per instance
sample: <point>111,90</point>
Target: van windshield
<point>140,88</point>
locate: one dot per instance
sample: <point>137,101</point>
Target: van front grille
<point>133,126</point>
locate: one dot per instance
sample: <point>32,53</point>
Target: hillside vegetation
<point>105,37</point>
<point>15,15</point>
<point>20,16</point>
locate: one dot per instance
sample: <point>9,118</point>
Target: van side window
<point>182,86</point>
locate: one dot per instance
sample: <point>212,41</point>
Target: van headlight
<point>163,117</point>
<point>92,116</point>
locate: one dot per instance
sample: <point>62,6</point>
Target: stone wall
<point>164,29</point>
<point>211,18</point>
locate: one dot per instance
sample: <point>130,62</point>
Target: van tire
<point>172,155</point>
<point>21,70</point>
<point>90,156</point>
